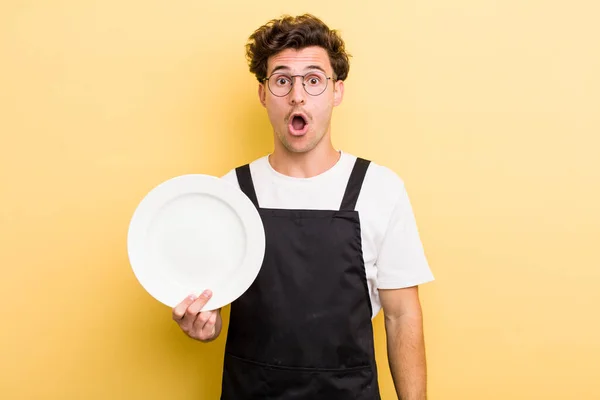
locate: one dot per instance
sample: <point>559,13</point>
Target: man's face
<point>300,120</point>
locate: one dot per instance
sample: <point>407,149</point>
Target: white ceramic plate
<point>196,232</point>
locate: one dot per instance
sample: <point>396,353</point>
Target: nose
<point>297,94</point>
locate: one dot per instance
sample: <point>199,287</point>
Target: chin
<point>300,147</point>
<point>299,150</point>
<point>299,144</point>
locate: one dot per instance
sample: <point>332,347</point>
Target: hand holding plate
<point>204,326</point>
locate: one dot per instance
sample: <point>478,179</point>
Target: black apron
<point>303,329</point>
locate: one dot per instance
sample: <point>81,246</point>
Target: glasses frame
<point>267,80</point>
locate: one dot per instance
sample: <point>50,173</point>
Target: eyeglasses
<point>314,83</point>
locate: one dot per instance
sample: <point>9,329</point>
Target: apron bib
<point>303,329</point>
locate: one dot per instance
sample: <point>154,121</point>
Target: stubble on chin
<point>297,149</point>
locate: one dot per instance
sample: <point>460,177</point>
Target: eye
<point>313,80</point>
<point>281,80</point>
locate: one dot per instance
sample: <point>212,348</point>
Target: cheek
<point>274,109</point>
<point>323,112</point>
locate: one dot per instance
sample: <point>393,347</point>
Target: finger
<point>199,303</point>
<point>210,327</point>
<point>180,309</point>
<point>205,325</point>
<point>191,313</point>
<point>200,321</point>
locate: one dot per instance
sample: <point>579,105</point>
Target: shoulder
<point>231,175</point>
<point>384,176</point>
<point>383,200</point>
<point>383,183</point>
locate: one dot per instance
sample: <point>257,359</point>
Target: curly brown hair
<point>296,33</point>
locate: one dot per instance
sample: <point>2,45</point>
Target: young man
<point>341,243</point>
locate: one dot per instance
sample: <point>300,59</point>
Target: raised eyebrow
<point>311,67</point>
<point>286,68</point>
<point>279,68</point>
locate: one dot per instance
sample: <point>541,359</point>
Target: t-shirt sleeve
<point>231,177</point>
<point>401,261</point>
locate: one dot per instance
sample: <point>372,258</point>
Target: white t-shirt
<point>392,249</point>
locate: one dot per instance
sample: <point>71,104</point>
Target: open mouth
<point>298,124</point>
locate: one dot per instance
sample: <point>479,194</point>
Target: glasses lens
<point>280,84</point>
<point>315,83</point>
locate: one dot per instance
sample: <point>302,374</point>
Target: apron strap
<point>245,181</point>
<point>354,184</point>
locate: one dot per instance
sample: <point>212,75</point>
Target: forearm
<point>406,355</point>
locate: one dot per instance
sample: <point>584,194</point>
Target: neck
<point>304,165</point>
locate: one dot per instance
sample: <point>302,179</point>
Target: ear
<point>338,93</point>
<point>262,94</point>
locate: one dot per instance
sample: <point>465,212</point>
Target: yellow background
<point>489,110</point>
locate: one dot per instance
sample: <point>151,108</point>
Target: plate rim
<point>192,183</point>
